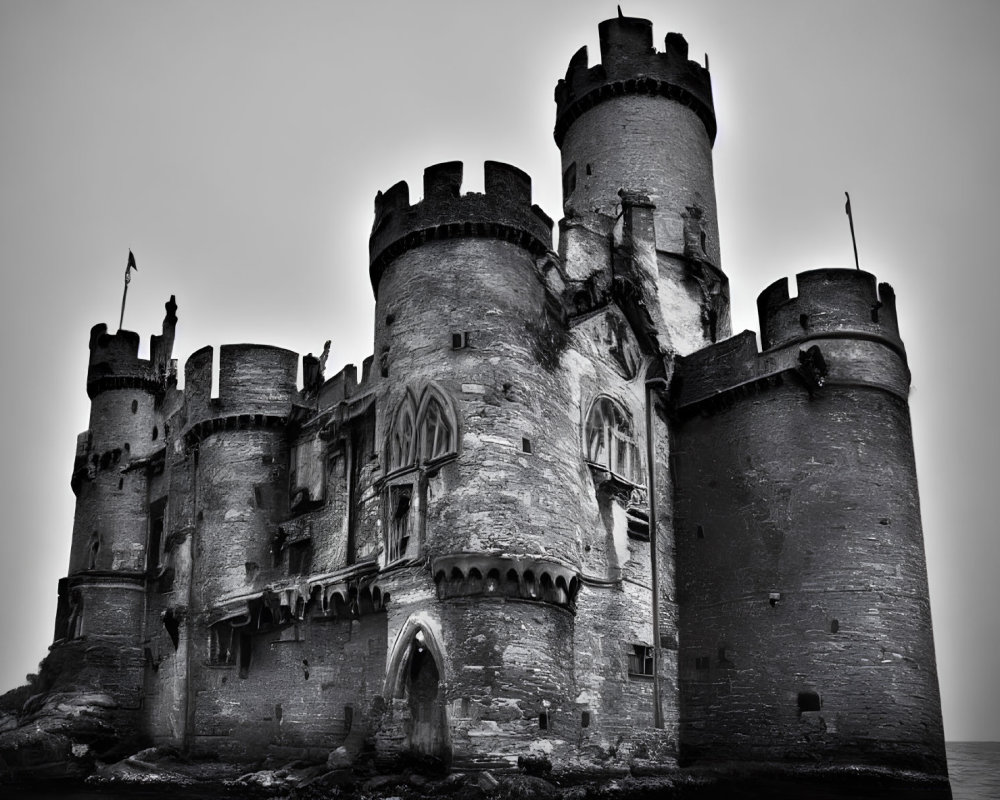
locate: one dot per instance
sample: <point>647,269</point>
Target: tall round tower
<point>480,463</point>
<point>102,599</point>
<point>239,448</point>
<point>642,121</point>
<point>802,583</point>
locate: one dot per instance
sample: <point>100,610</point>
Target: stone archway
<point>415,686</point>
<point>426,733</point>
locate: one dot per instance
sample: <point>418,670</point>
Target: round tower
<point>804,607</point>
<point>102,599</point>
<point>479,459</point>
<point>642,121</point>
<point>238,445</point>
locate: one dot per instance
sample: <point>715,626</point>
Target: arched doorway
<point>416,677</point>
<point>426,734</point>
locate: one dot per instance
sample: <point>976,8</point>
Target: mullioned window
<point>610,443</point>
<point>423,433</point>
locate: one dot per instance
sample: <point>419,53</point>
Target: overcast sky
<point>236,148</point>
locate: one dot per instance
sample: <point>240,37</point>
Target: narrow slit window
<point>400,498</point>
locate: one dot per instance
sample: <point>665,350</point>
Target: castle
<point>562,513</point>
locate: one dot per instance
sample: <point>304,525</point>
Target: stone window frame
<point>640,660</point>
<point>616,451</point>
<point>423,432</point>
<point>223,642</point>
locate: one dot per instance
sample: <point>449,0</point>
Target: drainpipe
<point>189,694</point>
<point>653,565</point>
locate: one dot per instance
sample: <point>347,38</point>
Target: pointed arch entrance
<point>416,675</point>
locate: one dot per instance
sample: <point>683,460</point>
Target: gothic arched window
<point>422,432</point>
<point>436,434</point>
<point>402,450</point>
<point>610,442</point>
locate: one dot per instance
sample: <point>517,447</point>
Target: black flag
<point>128,276</point>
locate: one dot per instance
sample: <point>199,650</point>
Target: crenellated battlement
<point>839,329</point>
<point>255,382</point>
<point>504,211</point>
<point>630,65</point>
<point>115,363</point>
<point>830,302</point>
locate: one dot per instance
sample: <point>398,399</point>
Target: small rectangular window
<point>245,652</point>
<point>459,341</point>
<point>222,647</point>
<point>398,529</point>
<point>525,444</point>
<point>299,557</point>
<point>157,512</point>
<point>640,660</point>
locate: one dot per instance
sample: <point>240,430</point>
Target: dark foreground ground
<point>141,780</point>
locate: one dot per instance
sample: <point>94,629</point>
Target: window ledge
<point>604,475</point>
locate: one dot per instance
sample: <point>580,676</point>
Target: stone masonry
<point>562,512</point>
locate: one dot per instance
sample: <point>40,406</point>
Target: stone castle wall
<point>453,557</point>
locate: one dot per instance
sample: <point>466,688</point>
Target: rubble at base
<point>337,777</point>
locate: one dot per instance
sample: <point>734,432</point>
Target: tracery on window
<point>435,431</point>
<point>421,432</point>
<point>610,442</point>
<point>401,438</point>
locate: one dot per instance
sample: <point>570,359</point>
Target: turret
<point>468,342</point>
<point>504,212</point>
<point>101,602</point>
<point>642,121</point>
<point>240,446</point>
<point>805,618</point>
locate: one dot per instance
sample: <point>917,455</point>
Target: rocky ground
<point>179,777</point>
<point>68,739</point>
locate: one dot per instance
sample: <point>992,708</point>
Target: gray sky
<point>236,148</point>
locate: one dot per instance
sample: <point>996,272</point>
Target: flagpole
<point>128,277</point>
<point>121,320</point>
<point>850,219</point>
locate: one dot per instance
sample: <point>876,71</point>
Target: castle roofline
<point>504,211</point>
<point>630,65</point>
